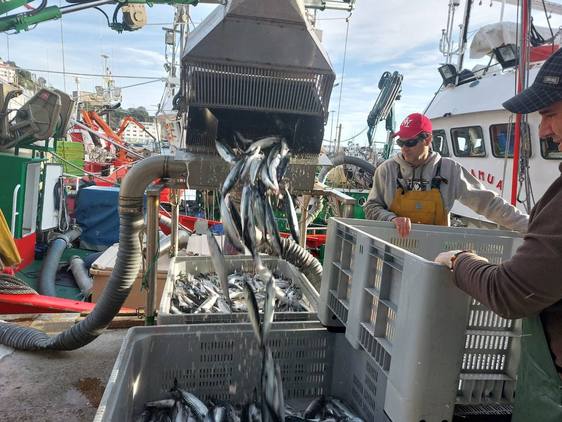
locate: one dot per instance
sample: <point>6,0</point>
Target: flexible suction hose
<point>50,265</point>
<point>295,254</point>
<point>124,273</point>
<point>81,276</point>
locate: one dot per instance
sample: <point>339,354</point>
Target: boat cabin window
<point>468,141</point>
<point>549,149</point>
<point>503,134</point>
<point>439,142</point>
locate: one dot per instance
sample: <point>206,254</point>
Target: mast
<point>521,76</point>
<point>464,37</point>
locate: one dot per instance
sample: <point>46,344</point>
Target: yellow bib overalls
<point>422,207</point>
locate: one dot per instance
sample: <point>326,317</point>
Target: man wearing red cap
<point>419,186</point>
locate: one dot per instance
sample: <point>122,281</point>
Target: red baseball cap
<point>413,125</point>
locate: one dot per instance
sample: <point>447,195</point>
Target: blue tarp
<point>97,213</point>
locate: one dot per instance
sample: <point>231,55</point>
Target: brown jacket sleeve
<point>532,280</point>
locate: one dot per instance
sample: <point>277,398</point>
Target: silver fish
<point>266,180</point>
<point>263,143</point>
<point>194,404</point>
<point>181,412</point>
<point>232,177</point>
<point>314,407</point>
<point>219,414</point>
<point>217,258</point>
<point>161,404</point>
<point>291,216</point>
<point>230,227</point>
<point>272,230</point>
<point>258,208</point>
<point>242,141</point>
<point>207,305</point>
<point>226,153</point>
<point>268,309</point>
<point>256,155</point>
<point>253,314</point>
<point>282,168</point>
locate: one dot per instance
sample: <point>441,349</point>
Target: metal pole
<point>152,205</point>
<point>304,216</point>
<point>464,36</point>
<point>174,197</point>
<point>338,134</point>
<point>521,85</point>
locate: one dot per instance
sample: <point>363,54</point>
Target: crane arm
<point>24,21</point>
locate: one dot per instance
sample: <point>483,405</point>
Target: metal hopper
<point>257,67</point>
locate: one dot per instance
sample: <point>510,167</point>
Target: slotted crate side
<point>427,344</point>
<point>337,277</point>
<point>224,363</point>
<point>199,264</point>
<point>489,365</point>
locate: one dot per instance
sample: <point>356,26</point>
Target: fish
<point>272,230</point>
<point>262,144</point>
<point>241,140</point>
<point>253,157</point>
<point>219,263</point>
<point>181,413</point>
<point>291,214</point>
<point>314,407</point>
<point>258,208</point>
<point>226,153</point>
<point>282,167</point>
<point>194,404</point>
<point>253,313</point>
<point>232,177</point>
<point>266,180</point>
<point>161,404</point>
<point>273,160</point>
<point>207,305</point>
<point>272,389</point>
<point>268,309</point>
<point>219,414</point>
<point>231,229</point>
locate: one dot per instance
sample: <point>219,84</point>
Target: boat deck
<point>64,286</point>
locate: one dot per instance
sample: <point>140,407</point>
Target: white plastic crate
<point>202,264</point>
<point>222,362</point>
<point>404,309</point>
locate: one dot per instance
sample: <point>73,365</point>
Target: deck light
<point>506,55</point>
<point>448,73</point>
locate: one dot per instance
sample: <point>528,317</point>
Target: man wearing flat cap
<point>529,285</point>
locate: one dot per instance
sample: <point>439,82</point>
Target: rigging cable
<point>62,51</point>
<point>548,22</point>
<point>343,69</point>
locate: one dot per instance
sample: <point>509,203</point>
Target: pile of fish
<point>201,293</point>
<point>259,167</point>
<point>185,406</point>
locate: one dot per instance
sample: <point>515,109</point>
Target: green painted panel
<point>13,168</point>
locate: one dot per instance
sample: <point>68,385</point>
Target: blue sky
<point>393,35</point>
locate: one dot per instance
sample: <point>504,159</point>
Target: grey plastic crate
<point>404,309</point>
<point>200,264</point>
<point>222,362</point>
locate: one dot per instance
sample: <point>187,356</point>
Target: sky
<point>397,35</point>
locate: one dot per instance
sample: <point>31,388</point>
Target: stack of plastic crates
<point>437,347</point>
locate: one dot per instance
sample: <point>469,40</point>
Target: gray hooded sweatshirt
<point>461,185</point>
